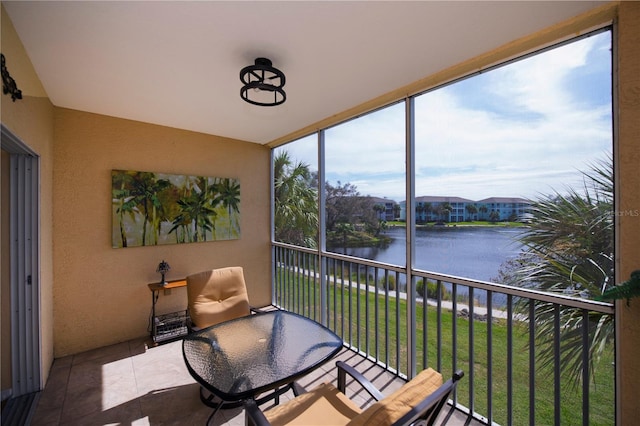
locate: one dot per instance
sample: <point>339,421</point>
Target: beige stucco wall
<point>31,120</point>
<point>101,293</point>
<point>628,209</point>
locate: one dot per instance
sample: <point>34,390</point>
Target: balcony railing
<point>479,327</point>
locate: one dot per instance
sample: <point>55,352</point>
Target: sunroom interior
<point>153,86</point>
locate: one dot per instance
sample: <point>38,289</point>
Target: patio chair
<point>420,399</point>
<point>215,296</point>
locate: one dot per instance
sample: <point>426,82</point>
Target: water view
<point>464,251</point>
<point>475,252</point>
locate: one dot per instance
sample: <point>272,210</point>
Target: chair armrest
<point>261,309</point>
<point>254,416</point>
<point>344,369</point>
<point>297,389</point>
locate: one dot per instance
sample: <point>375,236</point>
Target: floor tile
<point>137,383</point>
<point>103,355</point>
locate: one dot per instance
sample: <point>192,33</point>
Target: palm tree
<point>195,213</point>
<point>158,211</point>
<point>126,203</point>
<point>344,229</point>
<point>569,250</point>
<point>471,209</point>
<point>443,210</point>
<point>428,209</point>
<point>419,211</point>
<point>208,199</point>
<point>295,202</point>
<point>483,210</point>
<point>396,211</point>
<point>379,209</point>
<point>145,187</point>
<point>446,210</point>
<point>143,190</point>
<point>229,190</point>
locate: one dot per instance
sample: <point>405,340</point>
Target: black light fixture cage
<point>262,84</point>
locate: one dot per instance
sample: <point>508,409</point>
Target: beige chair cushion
<point>216,296</point>
<point>327,406</point>
<point>396,405</point>
<point>323,406</point>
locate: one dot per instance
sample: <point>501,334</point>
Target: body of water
<point>463,251</point>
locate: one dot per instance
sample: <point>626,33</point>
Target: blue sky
<point>521,130</point>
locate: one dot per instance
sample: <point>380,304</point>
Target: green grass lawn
<point>384,320</point>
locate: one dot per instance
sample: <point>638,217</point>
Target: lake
<point>475,252</point>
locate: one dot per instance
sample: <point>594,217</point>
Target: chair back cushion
<point>325,405</point>
<point>386,411</point>
<point>216,296</point>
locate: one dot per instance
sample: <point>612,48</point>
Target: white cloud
<point>520,130</point>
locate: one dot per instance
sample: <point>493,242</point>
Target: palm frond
<point>569,250</point>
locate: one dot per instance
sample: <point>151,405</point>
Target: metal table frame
<point>205,350</point>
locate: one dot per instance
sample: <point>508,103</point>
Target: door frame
<point>24,223</point>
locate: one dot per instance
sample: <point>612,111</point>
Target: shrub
<point>390,283</point>
<point>432,290</point>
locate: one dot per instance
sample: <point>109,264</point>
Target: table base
<point>216,403</point>
<point>213,401</point>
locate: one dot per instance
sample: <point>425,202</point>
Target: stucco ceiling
<point>176,63</point>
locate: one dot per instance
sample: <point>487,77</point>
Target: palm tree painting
<point>156,208</point>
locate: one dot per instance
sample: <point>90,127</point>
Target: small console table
<point>171,325</point>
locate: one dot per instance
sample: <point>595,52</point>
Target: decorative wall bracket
<point>9,84</point>
<point>626,290</point>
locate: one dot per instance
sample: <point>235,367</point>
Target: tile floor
<point>135,383</point>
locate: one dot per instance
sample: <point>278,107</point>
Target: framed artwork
<point>151,209</point>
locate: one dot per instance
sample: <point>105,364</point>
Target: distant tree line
<point>349,215</point>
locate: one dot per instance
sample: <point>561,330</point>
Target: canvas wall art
<point>151,209</point>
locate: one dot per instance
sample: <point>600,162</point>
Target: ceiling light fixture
<point>262,84</point>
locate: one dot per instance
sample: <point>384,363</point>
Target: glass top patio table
<point>242,358</point>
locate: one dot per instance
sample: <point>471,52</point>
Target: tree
<point>428,209</point>
<point>341,204</point>
<point>380,210</point>
<point>396,211</point>
<point>420,209</point>
<point>344,229</point>
<point>195,214</point>
<point>443,210</point>
<point>125,202</point>
<point>296,206</point>
<point>471,209</point>
<point>345,204</point>
<point>483,210</point>
<point>145,188</point>
<point>229,191</point>
<point>295,202</point>
<point>569,250</point>
<point>382,226</point>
